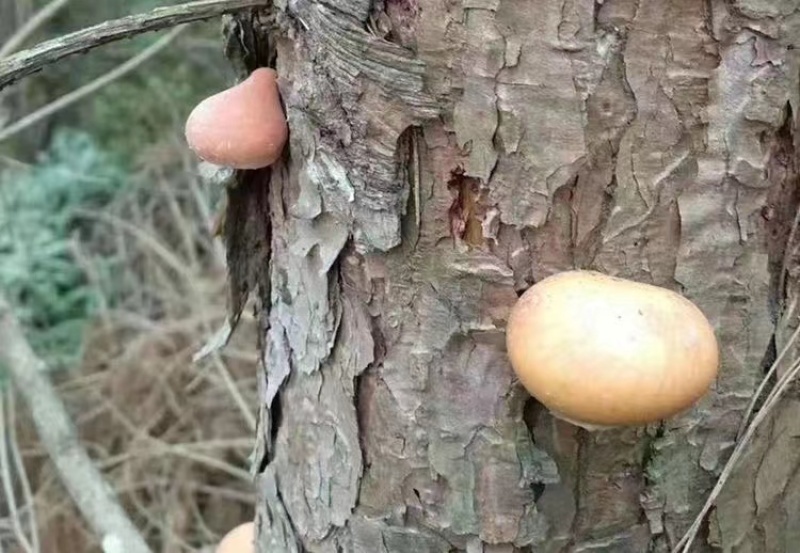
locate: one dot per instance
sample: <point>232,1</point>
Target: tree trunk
<point>444,156</point>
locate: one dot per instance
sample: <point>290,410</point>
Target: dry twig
<point>685,543</point>
<point>19,467</point>
<point>72,97</point>
<point>29,61</point>
<point>91,493</point>
<point>40,18</point>
<point>764,381</point>
<point>8,484</point>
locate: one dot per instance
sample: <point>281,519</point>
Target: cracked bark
<point>444,156</point>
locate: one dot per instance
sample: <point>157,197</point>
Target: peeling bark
<point>444,156</point>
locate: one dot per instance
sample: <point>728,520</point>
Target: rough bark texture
<point>445,155</point>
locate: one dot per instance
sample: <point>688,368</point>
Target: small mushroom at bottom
<point>239,540</point>
<point>243,127</point>
<point>600,351</point>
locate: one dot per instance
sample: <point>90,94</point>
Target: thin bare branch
<point>90,88</point>
<point>40,18</point>
<point>29,61</point>
<point>233,390</point>
<point>19,466</point>
<point>8,483</point>
<point>685,543</point>
<point>150,242</point>
<point>92,494</point>
<point>766,380</point>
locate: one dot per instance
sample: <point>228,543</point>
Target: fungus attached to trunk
<point>602,351</point>
<point>243,127</point>
<point>239,540</point>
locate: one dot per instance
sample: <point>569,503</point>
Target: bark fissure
<point>574,537</point>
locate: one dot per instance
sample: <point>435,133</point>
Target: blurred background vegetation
<point>84,156</point>
<point>107,255</point>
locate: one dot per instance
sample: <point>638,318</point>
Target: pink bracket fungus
<point>239,540</point>
<point>243,127</point>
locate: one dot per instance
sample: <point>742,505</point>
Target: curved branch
<point>90,88</point>
<point>32,25</point>
<point>32,60</point>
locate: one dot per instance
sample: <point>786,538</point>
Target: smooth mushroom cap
<point>239,540</point>
<point>603,351</point>
<point>243,127</point>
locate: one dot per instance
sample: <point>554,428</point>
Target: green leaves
<point>123,125</point>
<point>38,215</point>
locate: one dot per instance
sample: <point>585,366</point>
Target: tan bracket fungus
<point>602,351</point>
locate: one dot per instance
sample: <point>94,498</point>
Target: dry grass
<point>172,437</point>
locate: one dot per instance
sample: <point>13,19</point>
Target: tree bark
<point>444,156</point>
